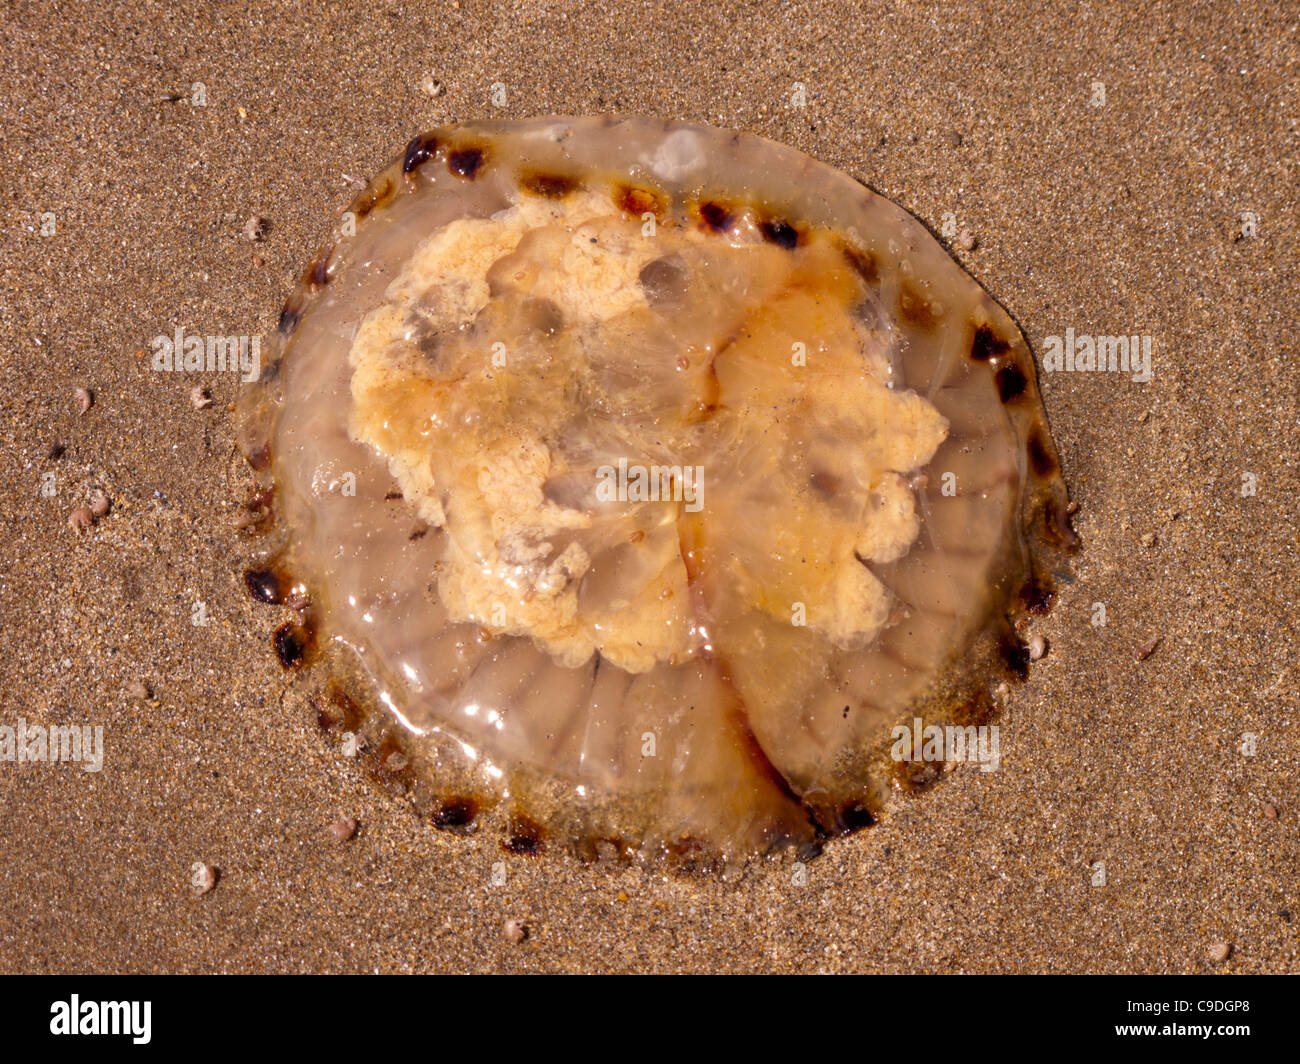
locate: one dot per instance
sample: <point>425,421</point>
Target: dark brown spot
<point>780,233</point>
<point>288,320</point>
<point>1011,382</point>
<point>291,644</point>
<point>419,151</point>
<point>1015,656</point>
<point>524,837</point>
<point>715,216</point>
<point>638,200</point>
<point>264,585</point>
<point>465,162</point>
<point>853,817</point>
<point>986,344</point>
<point>1039,456</point>
<point>456,815</point>
<point>914,308</point>
<point>552,186</point>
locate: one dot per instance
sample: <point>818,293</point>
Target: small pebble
<point>256,228</point>
<point>1270,812</point>
<point>954,138</point>
<point>56,451</point>
<point>395,762</point>
<point>967,241</point>
<point>1144,650</point>
<point>1148,539</point>
<point>204,878</point>
<point>138,689</point>
<point>343,828</point>
<point>81,519</point>
<point>85,398</point>
<point>258,261</point>
<point>515,931</point>
<point>1037,646</point>
<point>244,518</point>
<point>431,86</point>
<point>99,504</point>
<point>1220,952</point>
<point>200,397</point>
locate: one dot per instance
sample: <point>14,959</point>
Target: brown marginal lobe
<point>378,194</point>
<point>291,642</point>
<point>524,836</point>
<point>1011,382</point>
<point>637,199</point>
<point>986,344</point>
<point>289,316</point>
<point>1040,458</point>
<point>264,585</point>
<point>418,151</point>
<point>716,216</point>
<point>456,815</point>
<point>318,275</point>
<point>466,162</point>
<point>781,233</point>
<point>551,186</point>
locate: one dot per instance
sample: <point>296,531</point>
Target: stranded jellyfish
<point>634,480</point>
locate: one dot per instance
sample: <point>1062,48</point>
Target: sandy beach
<point>1119,171</point>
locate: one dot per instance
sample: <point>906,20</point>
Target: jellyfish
<point>635,480</point>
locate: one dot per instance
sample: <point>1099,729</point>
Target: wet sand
<point>1123,218</point>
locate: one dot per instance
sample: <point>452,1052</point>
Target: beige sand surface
<point>1120,218</point>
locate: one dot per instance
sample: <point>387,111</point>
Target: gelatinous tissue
<point>633,479</point>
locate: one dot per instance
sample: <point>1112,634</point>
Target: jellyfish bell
<point>638,478</point>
